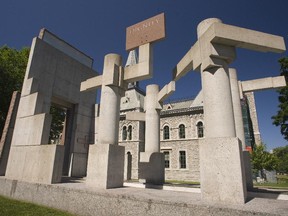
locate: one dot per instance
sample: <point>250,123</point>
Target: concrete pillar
<point>221,161</point>
<point>237,106</point>
<point>151,165</point>
<point>239,126</point>
<point>110,104</point>
<point>106,158</point>
<point>219,117</point>
<point>152,139</point>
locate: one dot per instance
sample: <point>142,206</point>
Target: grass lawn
<point>272,185</point>
<point>177,182</point>
<point>9,207</point>
<point>282,183</point>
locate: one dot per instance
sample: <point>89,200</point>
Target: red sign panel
<point>150,30</point>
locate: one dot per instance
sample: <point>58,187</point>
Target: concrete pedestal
<point>222,170</point>
<point>105,166</point>
<point>39,163</point>
<point>152,168</point>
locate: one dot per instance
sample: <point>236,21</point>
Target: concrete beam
<point>135,116</point>
<point>187,63</point>
<point>262,84</point>
<point>142,70</point>
<point>219,41</point>
<point>166,91</point>
<point>246,38</point>
<point>91,84</point>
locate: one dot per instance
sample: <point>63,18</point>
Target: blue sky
<point>98,28</point>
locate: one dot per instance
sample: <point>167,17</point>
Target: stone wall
<point>189,144</point>
<point>192,170</point>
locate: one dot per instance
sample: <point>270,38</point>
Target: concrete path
<point>80,199</point>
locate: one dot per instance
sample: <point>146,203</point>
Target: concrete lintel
<point>166,91</point>
<point>135,116</point>
<point>137,72</point>
<point>190,61</point>
<point>228,53</point>
<point>264,83</point>
<point>91,84</point>
<point>142,70</point>
<point>246,38</point>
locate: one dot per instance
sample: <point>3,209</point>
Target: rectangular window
<point>182,159</point>
<point>167,159</point>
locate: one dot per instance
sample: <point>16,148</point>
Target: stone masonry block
<point>30,105</point>
<point>222,170</point>
<point>105,166</point>
<point>153,171</point>
<point>32,130</point>
<point>41,164</point>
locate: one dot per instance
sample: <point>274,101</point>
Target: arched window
<point>182,131</point>
<point>166,134</point>
<point>200,129</point>
<point>124,133</point>
<point>130,132</point>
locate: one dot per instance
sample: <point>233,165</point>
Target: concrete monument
<point>106,159</point>
<point>221,160</point>
<point>151,165</point>
<point>54,72</point>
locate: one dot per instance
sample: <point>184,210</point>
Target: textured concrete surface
<point>80,199</point>
<point>53,76</point>
<point>222,170</point>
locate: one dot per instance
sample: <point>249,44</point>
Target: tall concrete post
<point>237,106</point>
<point>220,152</point>
<point>219,117</point>
<point>239,126</point>
<point>152,143</point>
<point>110,104</point>
<point>106,158</point>
<point>151,165</point>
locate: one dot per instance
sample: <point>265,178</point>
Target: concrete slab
<point>80,199</point>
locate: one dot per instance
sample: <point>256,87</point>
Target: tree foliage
<point>261,159</point>
<point>57,124</point>
<point>282,156</point>
<point>12,70</point>
<point>13,65</point>
<point>281,118</point>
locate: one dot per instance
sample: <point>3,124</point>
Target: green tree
<point>13,65</point>
<point>12,70</point>
<point>282,155</point>
<point>281,118</point>
<point>57,124</point>
<point>261,159</point>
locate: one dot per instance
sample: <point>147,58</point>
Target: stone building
<point>181,126</point>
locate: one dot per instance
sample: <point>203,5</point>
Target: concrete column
<point>219,117</point>
<point>151,165</point>
<point>152,138</point>
<point>239,126</point>
<point>221,161</point>
<point>237,106</point>
<point>110,104</point>
<point>105,167</point>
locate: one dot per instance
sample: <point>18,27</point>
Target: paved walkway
<point>77,197</point>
